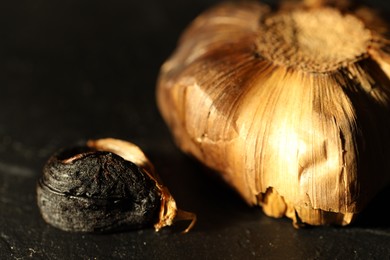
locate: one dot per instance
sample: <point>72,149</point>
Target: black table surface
<point>75,70</point>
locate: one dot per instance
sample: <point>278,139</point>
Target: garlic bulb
<point>291,106</point>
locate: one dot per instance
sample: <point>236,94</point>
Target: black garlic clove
<point>106,185</point>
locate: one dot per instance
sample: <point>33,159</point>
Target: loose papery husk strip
<point>290,105</point>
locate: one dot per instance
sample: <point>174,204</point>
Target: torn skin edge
<point>275,205</point>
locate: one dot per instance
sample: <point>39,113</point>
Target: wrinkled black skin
<point>100,192</point>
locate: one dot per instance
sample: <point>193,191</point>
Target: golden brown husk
<point>290,106</point>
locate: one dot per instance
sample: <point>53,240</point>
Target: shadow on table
<point>200,190</point>
<point>376,214</point>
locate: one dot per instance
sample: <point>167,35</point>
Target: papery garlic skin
<point>300,130</point>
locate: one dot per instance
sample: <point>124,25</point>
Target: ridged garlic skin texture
<point>290,106</point>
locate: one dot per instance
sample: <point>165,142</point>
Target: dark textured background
<point>73,70</point>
